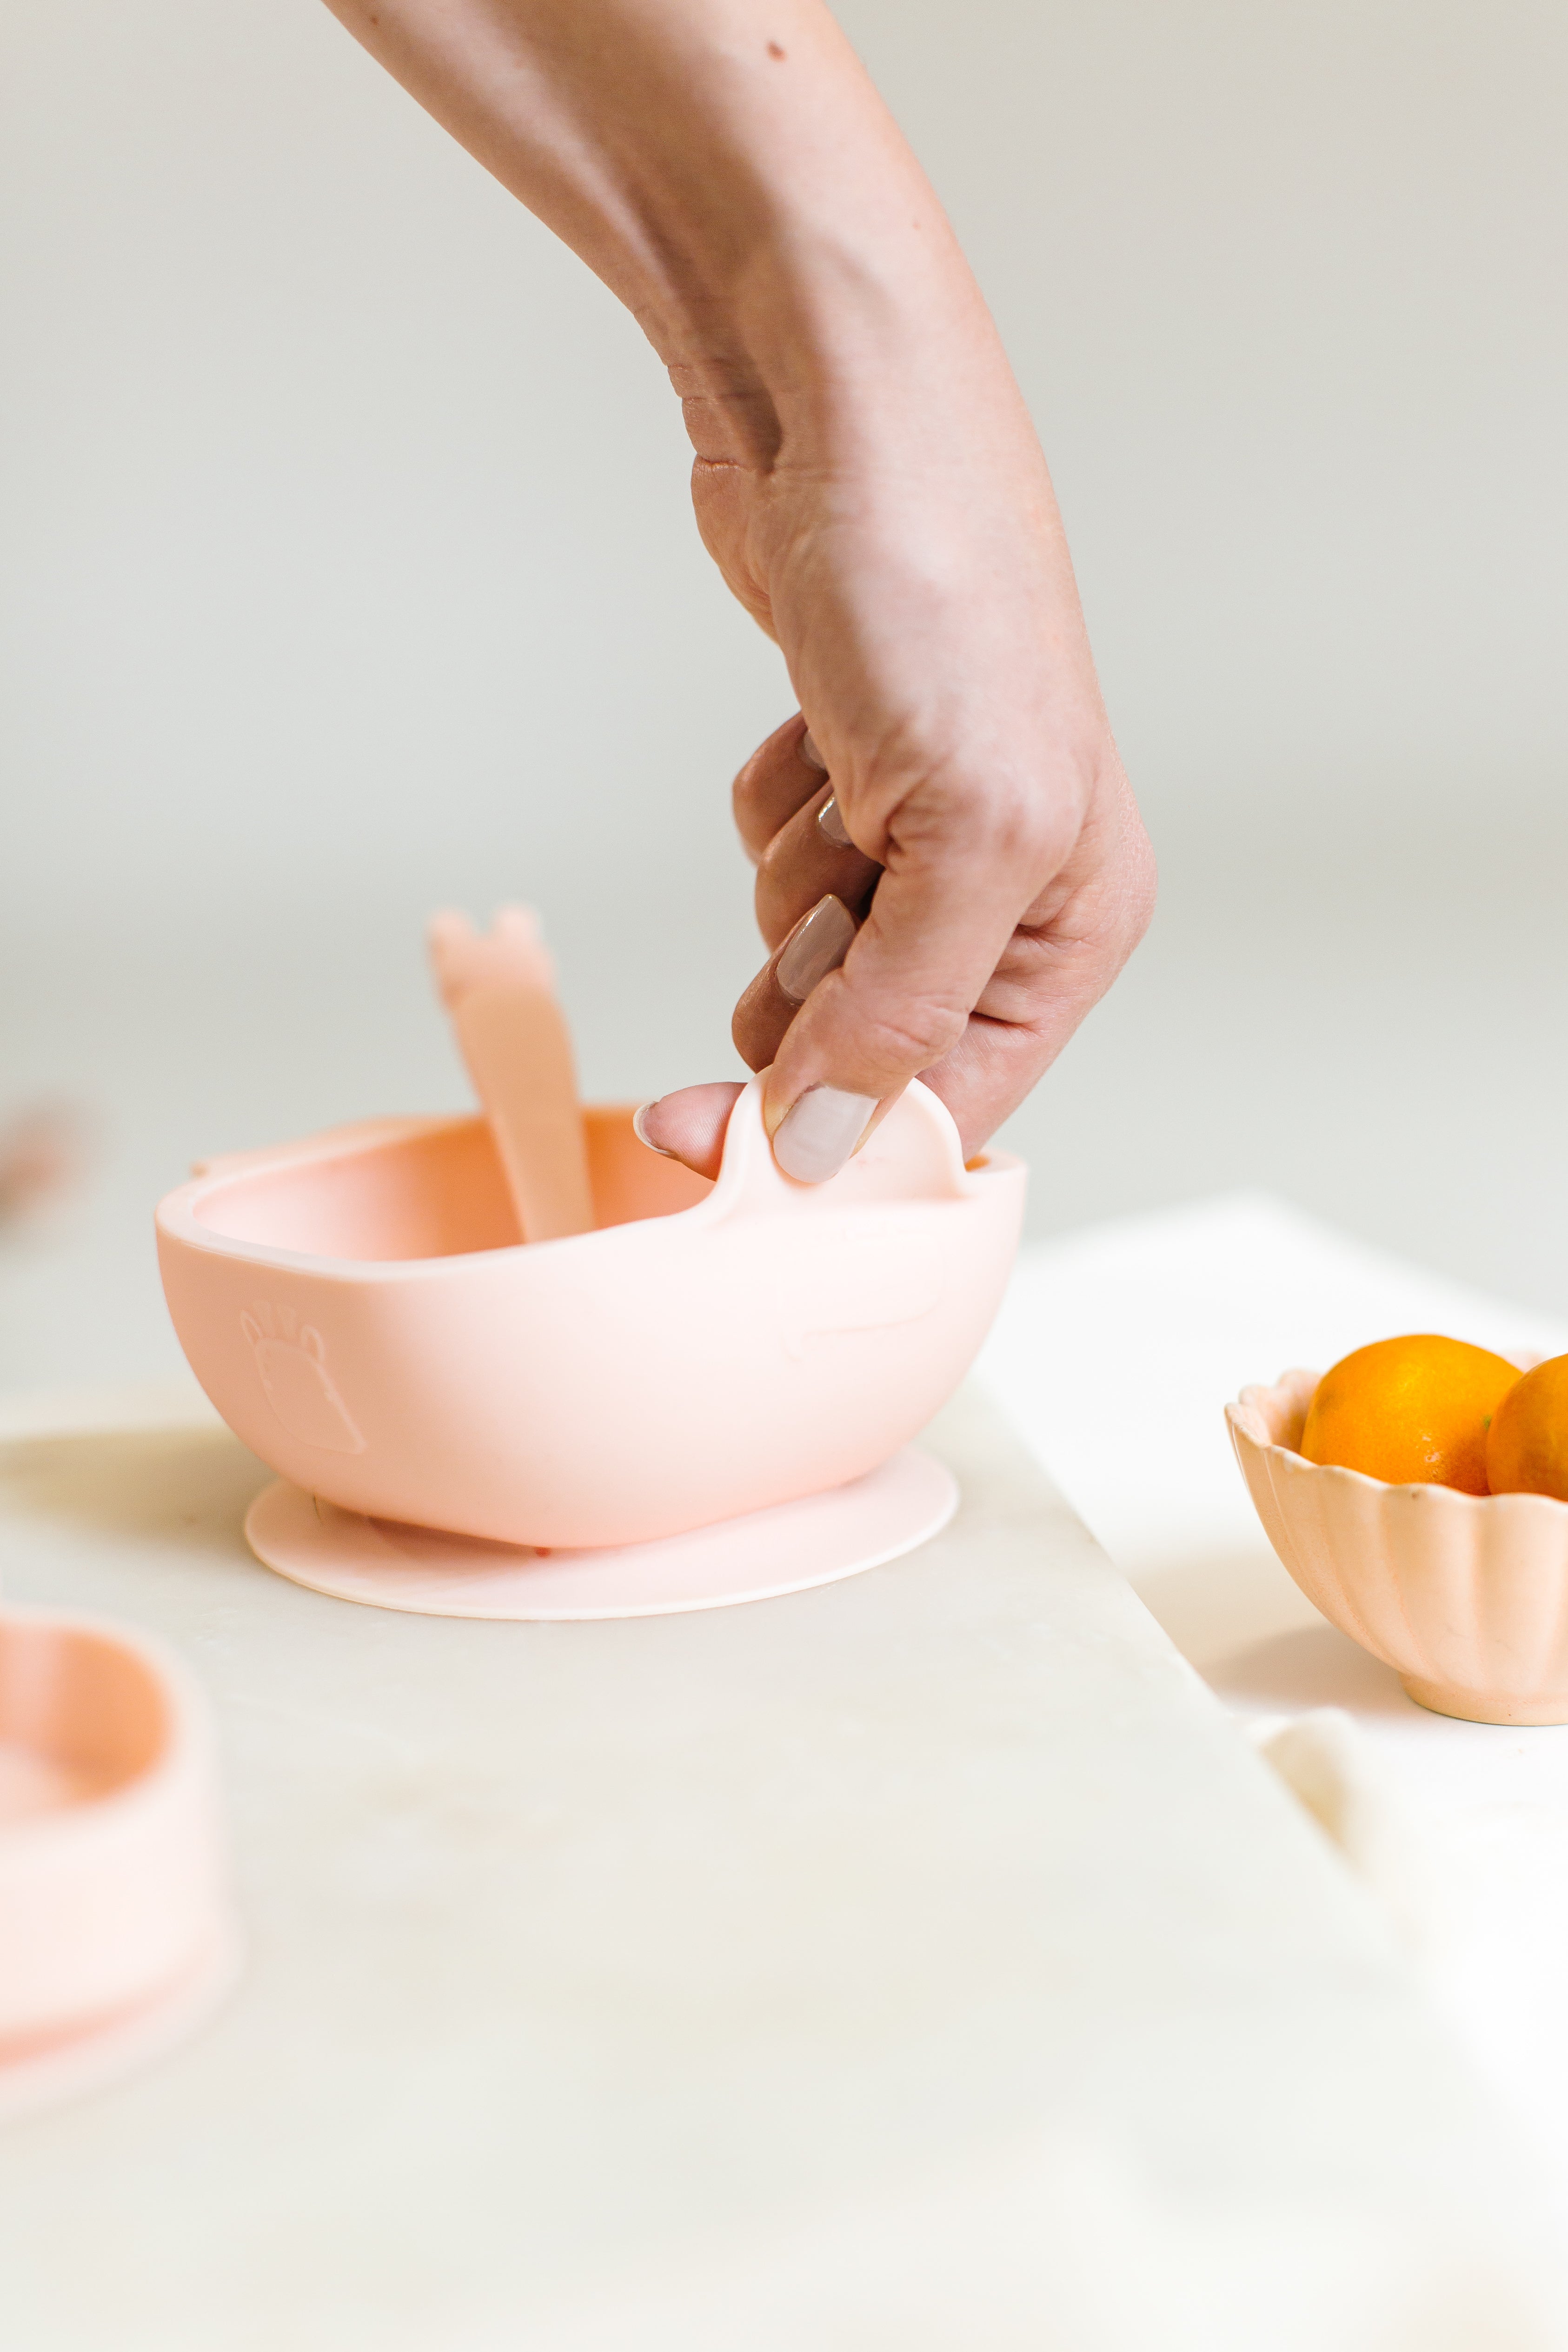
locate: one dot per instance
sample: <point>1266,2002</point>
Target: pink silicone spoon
<point>499,991</point>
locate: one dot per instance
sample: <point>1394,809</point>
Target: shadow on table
<point>1314,1665</point>
<point>1258,1641</point>
<point>174,1486</point>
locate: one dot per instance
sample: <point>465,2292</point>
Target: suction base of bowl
<point>789,1548</point>
<point>36,2075</point>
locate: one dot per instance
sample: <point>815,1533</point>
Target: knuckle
<point>756,1030</point>
<point>778,903</point>
<point>744,792</point>
<point>778,861</point>
<point>1143,896</point>
<point>921,1030</point>
<point>1137,887</point>
<point>771,787</point>
<point>1143,863</point>
<point>1003,827</point>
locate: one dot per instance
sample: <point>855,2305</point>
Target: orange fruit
<point>1415,1412</point>
<point>1527,1448</point>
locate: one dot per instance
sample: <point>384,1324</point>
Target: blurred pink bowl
<point>112,1879</point>
<point>1464,1596</point>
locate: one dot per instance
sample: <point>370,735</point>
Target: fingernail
<point>810,754</point>
<point>830,824</point>
<point>817,945</point>
<point>820,1131</point>
<point>641,1132</point>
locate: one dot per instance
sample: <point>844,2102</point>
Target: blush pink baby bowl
<point>117,1935</point>
<point>361,1312</point>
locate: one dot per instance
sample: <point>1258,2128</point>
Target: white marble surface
<point>921,1962</point>
<point>1113,1356</point>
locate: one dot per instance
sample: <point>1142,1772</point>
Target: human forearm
<point>729,172</point>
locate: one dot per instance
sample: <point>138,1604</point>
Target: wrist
<point>826,340</point>
<point>798,264</point>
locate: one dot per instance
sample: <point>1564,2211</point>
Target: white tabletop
<point>913,1962</point>
<point>1113,1357</point>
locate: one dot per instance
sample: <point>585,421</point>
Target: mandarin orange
<point>1527,1448</point>
<point>1415,1412</point>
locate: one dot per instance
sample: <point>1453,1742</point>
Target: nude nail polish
<point>809,752</point>
<point>641,1132</point>
<point>817,945</point>
<point>820,1132</point>
<point>830,824</point>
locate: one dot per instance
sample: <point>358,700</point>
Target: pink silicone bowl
<point>112,1886</point>
<point>1464,1596</point>
<point>359,1310</point>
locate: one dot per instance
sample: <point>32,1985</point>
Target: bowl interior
<point>1277,1415</point>
<point>80,1718</point>
<point>434,1191</point>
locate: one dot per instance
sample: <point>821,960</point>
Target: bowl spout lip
<point>749,1183</point>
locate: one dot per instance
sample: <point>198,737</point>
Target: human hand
<point>957,874</point>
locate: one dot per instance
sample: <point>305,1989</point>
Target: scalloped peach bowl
<point>1464,1596</point>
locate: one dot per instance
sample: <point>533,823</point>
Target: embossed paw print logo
<point>291,1359</point>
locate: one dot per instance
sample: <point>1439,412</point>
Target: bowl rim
<point>1428,1490</point>
<point>745,1142</point>
<point>183,1746</point>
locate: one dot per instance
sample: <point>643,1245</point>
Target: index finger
<point>959,878</point>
